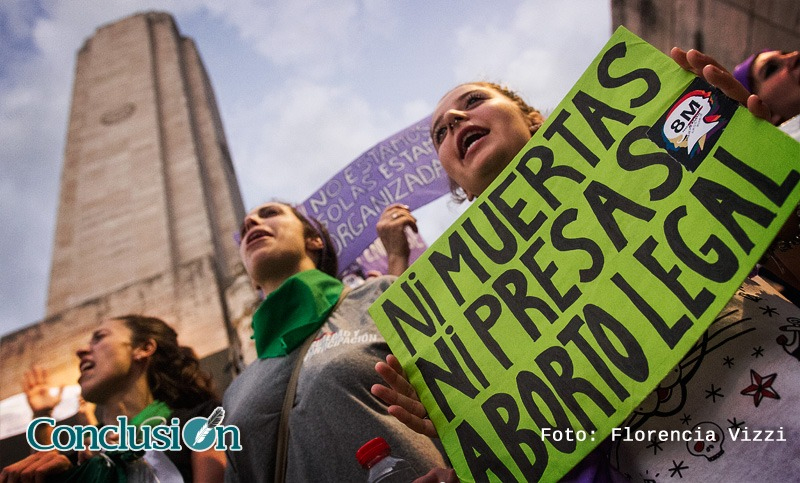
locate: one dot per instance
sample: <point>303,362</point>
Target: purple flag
<point>374,257</point>
<point>403,168</point>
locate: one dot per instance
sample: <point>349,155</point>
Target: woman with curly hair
<point>133,366</point>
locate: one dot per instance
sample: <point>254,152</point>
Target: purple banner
<point>374,258</point>
<point>403,168</point>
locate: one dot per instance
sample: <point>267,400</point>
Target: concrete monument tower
<point>148,206</point>
<point>148,184</point>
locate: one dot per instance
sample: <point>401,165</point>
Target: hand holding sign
<point>587,269</point>
<point>402,398</point>
<point>714,73</point>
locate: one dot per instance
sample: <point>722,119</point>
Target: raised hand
<point>37,389</point>
<point>391,230</point>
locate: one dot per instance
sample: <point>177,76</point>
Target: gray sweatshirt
<point>334,411</point>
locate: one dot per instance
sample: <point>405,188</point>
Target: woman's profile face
<point>106,361</point>
<point>776,80</point>
<point>272,239</point>
<point>477,131</point>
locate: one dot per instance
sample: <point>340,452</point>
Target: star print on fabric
<point>768,311</point>
<point>728,361</point>
<point>760,387</point>
<point>685,419</point>
<point>656,445</point>
<point>758,352</point>
<point>714,393</point>
<point>735,424</point>
<point>676,469</point>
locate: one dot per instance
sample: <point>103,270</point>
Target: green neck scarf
<point>293,312</point>
<point>110,466</point>
<point>155,413</point>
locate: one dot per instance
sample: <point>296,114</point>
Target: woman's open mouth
<point>255,234</point>
<point>468,136</point>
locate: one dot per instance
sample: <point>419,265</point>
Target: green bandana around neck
<point>155,413</point>
<point>110,466</point>
<point>293,312</point>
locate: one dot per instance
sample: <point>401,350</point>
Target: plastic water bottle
<point>376,457</point>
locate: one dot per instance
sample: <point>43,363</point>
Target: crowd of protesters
<point>305,405</point>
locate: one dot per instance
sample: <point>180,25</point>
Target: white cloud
<point>17,16</point>
<point>413,111</point>
<point>305,133</point>
<point>308,37</point>
<point>540,52</point>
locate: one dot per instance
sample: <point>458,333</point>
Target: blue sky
<point>303,87</point>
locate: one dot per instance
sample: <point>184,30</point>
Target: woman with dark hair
<point>133,366</point>
<point>310,329</point>
<point>173,373</point>
<point>773,76</point>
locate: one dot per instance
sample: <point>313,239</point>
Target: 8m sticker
<point>694,122</point>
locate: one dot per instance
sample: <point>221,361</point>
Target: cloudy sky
<point>303,87</point>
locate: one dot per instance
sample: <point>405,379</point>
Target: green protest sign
<point>585,272</point>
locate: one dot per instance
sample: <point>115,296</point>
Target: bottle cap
<point>372,449</point>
